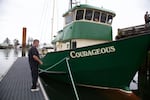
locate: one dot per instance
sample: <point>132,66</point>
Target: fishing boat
<point>86,54</point>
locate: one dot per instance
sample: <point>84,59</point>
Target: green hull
<point>112,64</point>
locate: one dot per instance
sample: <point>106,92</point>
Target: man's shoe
<point>35,89</point>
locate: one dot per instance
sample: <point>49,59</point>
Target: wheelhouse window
<point>103,17</point>
<point>69,18</point>
<point>109,19</point>
<point>79,15</point>
<point>96,16</point>
<point>88,14</point>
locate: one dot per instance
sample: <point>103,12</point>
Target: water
<point>7,58</point>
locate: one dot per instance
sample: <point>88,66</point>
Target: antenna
<point>73,2</point>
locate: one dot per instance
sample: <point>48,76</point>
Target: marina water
<point>7,58</point>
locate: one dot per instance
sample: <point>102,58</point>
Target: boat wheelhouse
<point>85,25</point>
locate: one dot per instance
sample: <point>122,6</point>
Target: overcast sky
<point>36,15</point>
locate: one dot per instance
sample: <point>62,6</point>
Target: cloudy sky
<point>36,15</point>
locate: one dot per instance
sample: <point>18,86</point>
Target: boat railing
<point>134,30</point>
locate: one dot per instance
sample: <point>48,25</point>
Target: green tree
<point>16,42</point>
<point>7,41</point>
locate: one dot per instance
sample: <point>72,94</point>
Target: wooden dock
<point>17,83</point>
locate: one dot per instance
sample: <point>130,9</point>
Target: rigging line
<point>57,21</point>
<point>47,22</point>
<point>44,18</point>
<point>53,65</point>
<point>41,19</point>
<point>72,80</point>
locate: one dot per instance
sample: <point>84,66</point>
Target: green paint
<point>85,30</point>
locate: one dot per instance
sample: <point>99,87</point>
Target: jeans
<point>34,73</point>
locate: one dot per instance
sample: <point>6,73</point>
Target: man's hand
<point>37,59</point>
<point>40,62</point>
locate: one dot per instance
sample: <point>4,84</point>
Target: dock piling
<point>24,41</point>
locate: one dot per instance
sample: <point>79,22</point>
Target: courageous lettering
<point>98,51</point>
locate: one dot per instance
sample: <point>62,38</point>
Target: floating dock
<point>17,82</point>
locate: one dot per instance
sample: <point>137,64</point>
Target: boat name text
<point>92,52</point>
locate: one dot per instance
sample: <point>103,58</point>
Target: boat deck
<point>17,82</point>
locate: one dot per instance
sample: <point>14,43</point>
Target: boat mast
<point>52,20</point>
<point>85,1</point>
<point>70,4</point>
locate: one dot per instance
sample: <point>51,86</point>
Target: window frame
<point>90,16</point>
<point>101,17</point>
<point>76,14</point>
<point>108,19</point>
<point>98,17</point>
<point>72,14</point>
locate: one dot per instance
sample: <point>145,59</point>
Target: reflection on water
<point>7,58</point>
<point>16,52</point>
<point>6,53</point>
<point>10,53</point>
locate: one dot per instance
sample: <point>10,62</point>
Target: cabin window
<point>96,16</point>
<point>88,15</point>
<point>79,15</point>
<point>109,19</point>
<point>103,17</point>
<point>69,18</point>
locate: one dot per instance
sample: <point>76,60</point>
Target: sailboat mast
<point>70,3</point>
<point>52,19</point>
<point>85,1</point>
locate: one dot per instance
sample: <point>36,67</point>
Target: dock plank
<point>17,83</point>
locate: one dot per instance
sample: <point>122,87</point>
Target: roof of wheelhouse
<point>85,6</point>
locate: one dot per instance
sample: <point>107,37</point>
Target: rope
<point>52,66</point>
<point>72,81</point>
<point>70,74</point>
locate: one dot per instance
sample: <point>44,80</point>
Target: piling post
<point>144,78</point>
<point>24,41</point>
<point>149,66</point>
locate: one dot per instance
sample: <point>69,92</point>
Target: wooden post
<point>24,41</point>
<point>143,78</point>
<point>149,66</point>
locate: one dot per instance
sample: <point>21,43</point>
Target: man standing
<point>34,61</point>
<point>146,17</point>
